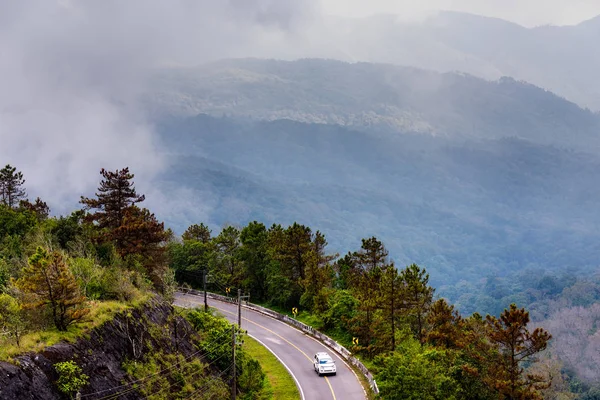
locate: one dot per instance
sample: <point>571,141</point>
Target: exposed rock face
<point>152,327</point>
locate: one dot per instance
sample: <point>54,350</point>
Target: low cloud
<point>71,72</point>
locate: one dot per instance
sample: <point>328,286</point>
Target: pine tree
<point>48,282</point>
<point>418,296</point>
<point>38,207</point>
<point>297,242</point>
<point>370,262</point>
<point>11,186</point>
<point>444,324</point>
<point>141,234</point>
<point>372,254</point>
<point>200,233</point>
<point>390,291</point>
<point>115,195</point>
<point>516,345</point>
<point>254,255</point>
<point>227,256</point>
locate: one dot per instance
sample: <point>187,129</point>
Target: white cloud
<point>524,12</point>
<point>71,72</point>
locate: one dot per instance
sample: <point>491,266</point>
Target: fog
<point>72,72</point>
<point>524,12</point>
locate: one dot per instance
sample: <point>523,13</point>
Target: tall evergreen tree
<point>227,256</point>
<point>516,345</point>
<point>370,261</point>
<point>11,186</point>
<point>444,324</point>
<point>418,297</point>
<point>390,292</point>
<point>372,254</point>
<point>256,259</point>
<point>115,195</point>
<point>200,233</point>
<point>141,234</point>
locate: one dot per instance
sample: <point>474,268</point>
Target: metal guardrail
<point>326,340</point>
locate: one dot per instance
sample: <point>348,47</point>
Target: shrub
<point>70,377</point>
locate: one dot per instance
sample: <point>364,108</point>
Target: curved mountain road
<point>293,348</point>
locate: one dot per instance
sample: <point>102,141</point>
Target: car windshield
<point>325,361</point>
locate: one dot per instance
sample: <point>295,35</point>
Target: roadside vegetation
<point>418,346</point>
<point>60,277</point>
<point>280,385</point>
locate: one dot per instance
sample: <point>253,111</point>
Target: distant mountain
<point>470,178</point>
<point>374,97</point>
<point>564,60</point>
<point>465,210</point>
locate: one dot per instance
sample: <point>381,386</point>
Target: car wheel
<point>335,373</point>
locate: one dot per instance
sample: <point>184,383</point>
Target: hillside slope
<point>465,210</point>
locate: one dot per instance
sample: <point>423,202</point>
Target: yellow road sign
<point>228,290</point>
<point>355,341</point>
<point>294,310</point>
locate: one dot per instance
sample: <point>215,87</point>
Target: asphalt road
<point>293,348</point>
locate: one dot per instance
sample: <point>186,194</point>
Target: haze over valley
<point>468,144</point>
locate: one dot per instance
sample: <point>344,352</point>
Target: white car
<point>324,364</point>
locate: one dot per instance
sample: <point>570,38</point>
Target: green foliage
<point>181,378</point>
<point>4,275</point>
<point>252,379</point>
<point>278,383</point>
<point>216,336</point>
<point>198,233</point>
<point>216,344</point>
<point>48,282</point>
<point>68,229</point>
<point>11,186</point>
<point>12,319</point>
<point>15,222</point>
<point>415,373</point>
<point>342,308</point>
<point>70,377</point>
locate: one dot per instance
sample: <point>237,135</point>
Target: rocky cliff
<point>153,327</point>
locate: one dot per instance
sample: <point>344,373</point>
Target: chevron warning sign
<point>295,311</point>
<point>355,341</point>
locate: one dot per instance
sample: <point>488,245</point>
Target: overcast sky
<point>71,71</point>
<point>524,12</point>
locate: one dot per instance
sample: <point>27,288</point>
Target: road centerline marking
<point>287,341</point>
<point>330,387</point>
<point>284,339</point>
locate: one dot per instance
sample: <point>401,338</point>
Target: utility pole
<point>240,308</point>
<point>240,298</point>
<point>204,282</point>
<point>233,372</point>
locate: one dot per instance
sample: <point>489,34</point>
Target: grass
<point>282,384</point>
<point>342,337</point>
<point>100,313</point>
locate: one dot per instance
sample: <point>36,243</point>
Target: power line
<point>134,388</point>
<point>159,372</point>
<point>208,384</point>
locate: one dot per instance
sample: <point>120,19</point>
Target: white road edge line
<point>310,337</point>
<point>307,335</point>
<point>282,363</point>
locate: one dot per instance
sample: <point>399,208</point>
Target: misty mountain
<point>563,59</point>
<point>467,177</point>
<point>464,210</point>
<point>374,97</point>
